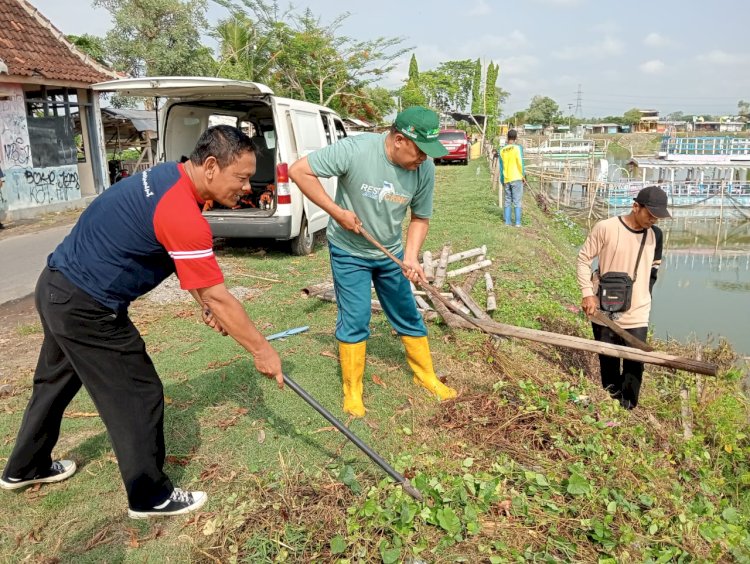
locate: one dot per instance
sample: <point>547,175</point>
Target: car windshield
<point>452,136</point>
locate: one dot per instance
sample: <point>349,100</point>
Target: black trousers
<point>623,382</point>
<point>87,343</point>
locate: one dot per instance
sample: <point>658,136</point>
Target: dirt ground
<point>20,340</point>
<point>46,221</point>
<point>20,333</point>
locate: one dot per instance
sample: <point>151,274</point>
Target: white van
<point>283,129</point>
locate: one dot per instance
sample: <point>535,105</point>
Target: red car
<point>457,144</point>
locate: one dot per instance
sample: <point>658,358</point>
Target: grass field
<point>532,461</point>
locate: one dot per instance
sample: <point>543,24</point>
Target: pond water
<point>703,288</point>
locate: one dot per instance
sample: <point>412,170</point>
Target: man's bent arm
<point>235,321</point>
<point>309,184</point>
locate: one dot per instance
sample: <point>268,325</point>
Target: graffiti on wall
<point>42,186</point>
<point>26,185</point>
<point>14,130</point>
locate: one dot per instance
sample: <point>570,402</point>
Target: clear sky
<point>662,54</point>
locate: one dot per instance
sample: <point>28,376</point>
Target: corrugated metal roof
<point>142,120</point>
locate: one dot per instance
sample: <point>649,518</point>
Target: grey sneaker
<point>179,503</point>
<point>59,471</point>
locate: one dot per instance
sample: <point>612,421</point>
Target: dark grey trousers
<point>622,379</point>
<point>88,344</point>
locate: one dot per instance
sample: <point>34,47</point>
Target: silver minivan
<point>283,129</point>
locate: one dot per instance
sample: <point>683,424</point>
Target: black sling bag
<point>616,288</point>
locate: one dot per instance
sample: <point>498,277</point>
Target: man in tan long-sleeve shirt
<point>616,243</point>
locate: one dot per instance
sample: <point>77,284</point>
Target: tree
<point>542,111</point>
<point>245,52</point>
<point>477,105</point>
<point>310,60</point>
<point>631,117</point>
<point>371,104</point>
<point>461,74</point>
<point>438,90</point>
<point>743,107</point>
<point>157,37</point>
<point>491,100</point>
<point>91,45</point>
<point>411,94</point>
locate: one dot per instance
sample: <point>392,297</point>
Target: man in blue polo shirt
<point>126,243</point>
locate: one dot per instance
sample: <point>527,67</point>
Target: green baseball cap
<point>421,126</point>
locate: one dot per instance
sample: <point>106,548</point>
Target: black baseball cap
<point>655,200</point>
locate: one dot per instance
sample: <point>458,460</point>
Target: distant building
<point>649,120</point>
<point>531,129</point>
<point>599,128</point>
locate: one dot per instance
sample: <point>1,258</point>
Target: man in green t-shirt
<point>381,176</point>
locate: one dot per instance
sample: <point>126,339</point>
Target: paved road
<point>22,258</point>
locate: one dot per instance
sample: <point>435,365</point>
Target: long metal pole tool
<point>374,456</point>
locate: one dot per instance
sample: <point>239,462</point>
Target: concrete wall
<point>29,191</point>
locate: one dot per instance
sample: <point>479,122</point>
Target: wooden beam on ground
<point>428,266</point>
<point>466,269</point>
<point>442,268</point>
<point>491,302</point>
<point>467,254</point>
<point>469,301</point>
<point>472,278</point>
<point>494,328</point>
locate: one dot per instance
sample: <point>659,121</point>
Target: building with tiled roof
<point>44,87</point>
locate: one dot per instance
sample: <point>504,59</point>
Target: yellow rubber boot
<point>419,358</point>
<point>352,359</point>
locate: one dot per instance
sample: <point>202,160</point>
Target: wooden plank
<point>494,328</point>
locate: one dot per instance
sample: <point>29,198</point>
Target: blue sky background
<point>667,55</point>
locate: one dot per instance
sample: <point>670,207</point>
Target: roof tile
<point>31,46</point>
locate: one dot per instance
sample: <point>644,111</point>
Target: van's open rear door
<point>182,86</point>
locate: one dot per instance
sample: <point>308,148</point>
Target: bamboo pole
<point>471,268</point>
<point>494,328</point>
<point>316,289</point>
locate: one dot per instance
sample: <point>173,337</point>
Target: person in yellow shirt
<point>512,174</point>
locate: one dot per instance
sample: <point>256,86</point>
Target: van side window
<point>327,128</point>
<point>308,132</point>
<point>340,130</point>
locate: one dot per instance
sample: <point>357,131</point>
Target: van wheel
<point>303,243</point>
